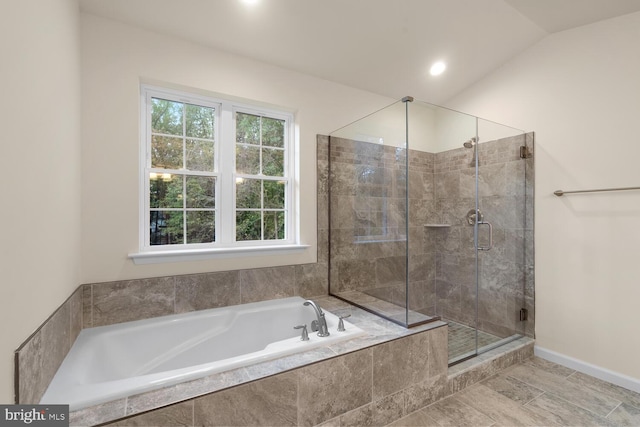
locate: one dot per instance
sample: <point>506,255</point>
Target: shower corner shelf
<point>437,225</point>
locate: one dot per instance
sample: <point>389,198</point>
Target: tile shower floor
<point>462,340</point>
<point>533,393</point>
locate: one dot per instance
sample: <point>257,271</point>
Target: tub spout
<point>320,324</point>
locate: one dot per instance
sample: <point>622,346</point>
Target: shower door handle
<point>487,248</point>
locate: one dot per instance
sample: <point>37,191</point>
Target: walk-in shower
<point>423,227</point>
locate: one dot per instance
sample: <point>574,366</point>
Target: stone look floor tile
<point>552,383</point>
<point>416,419</point>
<point>599,386</point>
<point>512,388</point>
<point>551,367</point>
<point>453,412</point>
<point>625,415</point>
<point>566,413</point>
<point>502,409</point>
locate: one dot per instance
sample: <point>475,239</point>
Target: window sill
<point>207,254</point>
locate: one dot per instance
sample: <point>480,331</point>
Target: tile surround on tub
<point>304,389</point>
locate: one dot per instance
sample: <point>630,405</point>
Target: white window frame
<point>224,171</point>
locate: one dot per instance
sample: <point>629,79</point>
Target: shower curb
<point>483,366</point>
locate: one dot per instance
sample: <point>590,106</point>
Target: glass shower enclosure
<point>431,218</point>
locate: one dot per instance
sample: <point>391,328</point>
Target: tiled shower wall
<point>368,217</point>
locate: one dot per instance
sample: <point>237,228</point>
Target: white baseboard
<point>589,369</point>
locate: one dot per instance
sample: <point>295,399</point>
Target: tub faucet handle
<point>305,334</point>
<point>341,323</point>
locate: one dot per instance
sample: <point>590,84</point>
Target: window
<point>216,175</point>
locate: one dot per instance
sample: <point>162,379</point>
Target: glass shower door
<point>501,233</point>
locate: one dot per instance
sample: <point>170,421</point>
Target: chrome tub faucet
<point>320,324</point>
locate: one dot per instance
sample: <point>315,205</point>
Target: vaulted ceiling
<point>382,46</point>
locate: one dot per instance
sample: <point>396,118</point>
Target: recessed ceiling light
<point>437,68</point>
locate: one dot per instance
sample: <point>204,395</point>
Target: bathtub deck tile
<point>179,392</point>
<point>271,367</point>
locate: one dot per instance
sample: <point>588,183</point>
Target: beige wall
<point>579,91</point>
<point>115,58</point>
<point>40,111</point>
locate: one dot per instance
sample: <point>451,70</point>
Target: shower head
<point>471,143</point>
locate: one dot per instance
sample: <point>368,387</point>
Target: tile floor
<point>533,393</point>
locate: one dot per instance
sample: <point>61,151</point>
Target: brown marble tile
<point>362,416</point>
<point>87,306</point>
<point>124,301</point>
<point>55,343</point>
<point>438,357</point>
<point>98,414</point>
<point>410,358</point>
<point>415,419</point>
<point>311,280</point>
<point>452,412</point>
<point>625,415</point>
<point>180,414</point>
<point>209,290</point>
<point>503,410</point>
<point>565,413</point>
<point>267,402</point>
<point>512,388</point>
<point>267,283</point>
<point>190,389</point>
<point>553,368</point>
<point>32,383</point>
<point>76,312</point>
<point>41,355</point>
<point>558,385</point>
<point>388,409</point>
<point>599,386</point>
<point>424,393</point>
<point>321,391</point>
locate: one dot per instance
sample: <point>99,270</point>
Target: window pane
<point>200,155</point>
<point>274,194</point>
<point>272,162</point>
<point>166,228</point>
<point>199,121</point>
<point>165,190</point>
<point>201,191</point>
<point>273,225</point>
<point>272,132</point>
<point>247,129</point>
<point>166,152</point>
<point>247,159</point>
<point>248,226</point>
<point>248,193</point>
<point>201,227</point>
<point>166,117</point>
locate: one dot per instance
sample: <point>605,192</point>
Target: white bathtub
<point>111,362</point>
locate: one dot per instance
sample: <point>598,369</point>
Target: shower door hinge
<point>525,153</point>
<point>524,314</point>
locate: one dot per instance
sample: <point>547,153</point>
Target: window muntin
<point>216,174</point>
